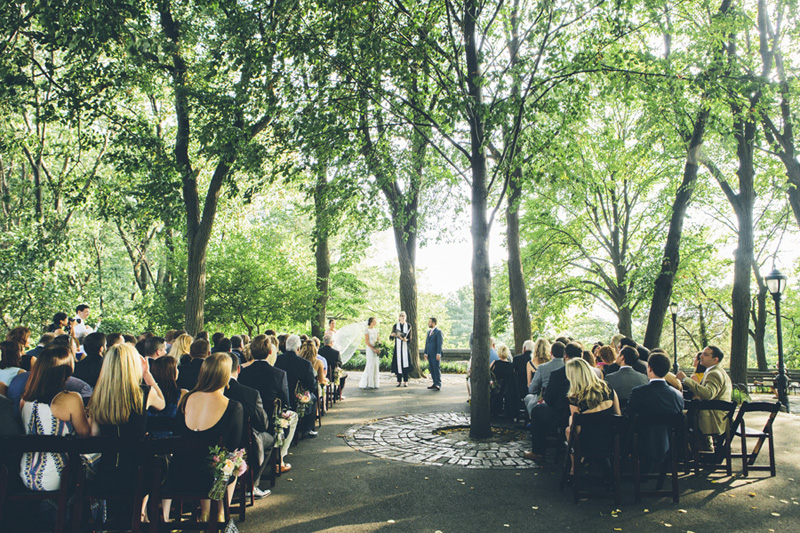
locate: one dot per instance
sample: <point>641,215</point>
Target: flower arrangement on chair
<point>224,464</point>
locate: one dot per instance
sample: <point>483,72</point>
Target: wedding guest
<point>608,355</point>
<point>60,325</point>
<point>181,347</point>
<point>334,359</point>
<point>29,359</point>
<point>207,416</point>
<point>589,358</point>
<point>308,351</point>
<point>520,362</point>
<point>300,376</point>
<point>189,372</point>
<point>165,372</point>
<point>88,368</point>
<point>113,339</point>
<point>48,409</point>
<point>540,356</point>
<point>237,348</point>
<point>21,335</point>
<point>9,364</point>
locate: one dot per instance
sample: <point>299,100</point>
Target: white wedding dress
<point>371,377</point>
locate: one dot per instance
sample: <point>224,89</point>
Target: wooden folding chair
<point>675,426</point>
<point>741,430</point>
<point>596,437</point>
<point>722,442</point>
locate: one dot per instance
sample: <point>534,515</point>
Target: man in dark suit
<point>88,368</point>
<point>433,349</point>
<point>272,385</point>
<point>237,348</point>
<point>298,370</point>
<point>626,378</point>
<point>334,359</point>
<point>259,422</point>
<point>554,411</point>
<point>655,398</point>
<point>521,367</point>
<point>189,372</point>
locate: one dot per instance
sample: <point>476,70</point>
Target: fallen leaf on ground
<point>667,525</point>
<point>647,510</point>
<point>784,501</point>
<point>682,510</point>
<point>752,494</point>
<point>390,521</point>
<point>775,514</point>
<point>535,507</point>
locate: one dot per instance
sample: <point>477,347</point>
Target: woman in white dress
<point>371,377</point>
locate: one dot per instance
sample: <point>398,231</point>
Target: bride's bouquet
<point>223,465</point>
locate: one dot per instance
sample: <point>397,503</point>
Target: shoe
<point>342,397</point>
<point>399,385</point>
<point>432,387</point>
<point>405,384</point>
<point>258,493</point>
<point>310,434</point>
<point>535,457</point>
<point>437,388</point>
<point>284,468</point>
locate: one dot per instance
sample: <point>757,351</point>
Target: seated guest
<point>587,395</point>
<point>155,347</point>
<point>259,423</point>
<point>552,412</point>
<point>608,355</point>
<point>492,352</point>
<point>641,366</point>
<point>541,378</point>
<point>215,338</point>
<point>716,385</point>
<point>118,408</point>
<point>161,423</point>
<point>308,351</point>
<point>181,347</point>
<point>113,339</point>
<point>208,417</point>
<point>644,353</point>
<point>10,357</point>
<point>202,335</point>
<point>22,336</point>
<point>699,369</point>
<point>655,398</point>
<point>589,358</point>
<point>520,362</point>
<point>503,398</point>
<point>10,423</point>
<point>88,368</point>
<point>670,378</point>
<point>223,346</point>
<point>237,348</point>
<point>334,359</point>
<point>626,378</point>
<point>189,372</point>
<point>29,359</point>
<point>272,385</point>
<point>48,409</point>
<point>300,375</point>
<point>540,356</point>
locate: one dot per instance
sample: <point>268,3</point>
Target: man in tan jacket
<point>715,385</point>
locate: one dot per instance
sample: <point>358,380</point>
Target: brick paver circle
<point>414,439</point>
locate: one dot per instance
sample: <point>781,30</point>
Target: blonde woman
<point>118,407</point>
<point>588,394</point>
<point>308,351</point>
<point>180,348</point>
<point>205,415</point>
<point>540,355</point>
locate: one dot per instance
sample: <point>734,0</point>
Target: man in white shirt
<point>79,326</point>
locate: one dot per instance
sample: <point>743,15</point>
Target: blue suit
<point>655,398</point>
<point>433,346</point>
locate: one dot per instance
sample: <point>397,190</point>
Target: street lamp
<point>776,283</point>
<point>673,309</point>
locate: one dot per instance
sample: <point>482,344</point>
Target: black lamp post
<point>673,309</point>
<point>776,283</point>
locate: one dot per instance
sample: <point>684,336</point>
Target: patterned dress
<point>42,470</point>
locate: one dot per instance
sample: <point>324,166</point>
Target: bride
<point>371,377</point>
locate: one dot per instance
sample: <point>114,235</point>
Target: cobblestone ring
<point>418,439</point>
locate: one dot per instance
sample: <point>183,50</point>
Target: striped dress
<point>42,470</point>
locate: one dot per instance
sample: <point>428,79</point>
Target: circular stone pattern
<point>419,439</point>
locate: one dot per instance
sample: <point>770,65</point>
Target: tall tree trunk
<point>517,291</point>
<point>480,426</point>
<point>758,312</point>
<point>625,321</point>
<point>669,264</point>
<point>703,326</point>
<point>321,254</point>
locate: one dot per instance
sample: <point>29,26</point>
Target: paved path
<point>359,476</point>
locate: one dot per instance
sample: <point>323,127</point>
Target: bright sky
<point>444,267</point>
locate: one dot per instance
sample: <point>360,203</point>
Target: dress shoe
<point>310,434</point>
<point>284,468</point>
<point>432,387</point>
<point>405,384</point>
<point>399,385</point>
<point>259,494</point>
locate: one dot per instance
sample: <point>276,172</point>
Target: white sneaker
<point>259,494</point>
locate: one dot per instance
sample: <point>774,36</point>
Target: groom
<point>433,349</point>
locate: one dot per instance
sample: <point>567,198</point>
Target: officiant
<point>401,362</point>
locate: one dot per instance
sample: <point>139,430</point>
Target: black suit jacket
<point>555,395</point>
<point>332,356</point>
<point>655,398</point>
<point>188,373</point>
<point>298,370</point>
<point>88,369</point>
<point>251,402</point>
<point>271,384</point>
